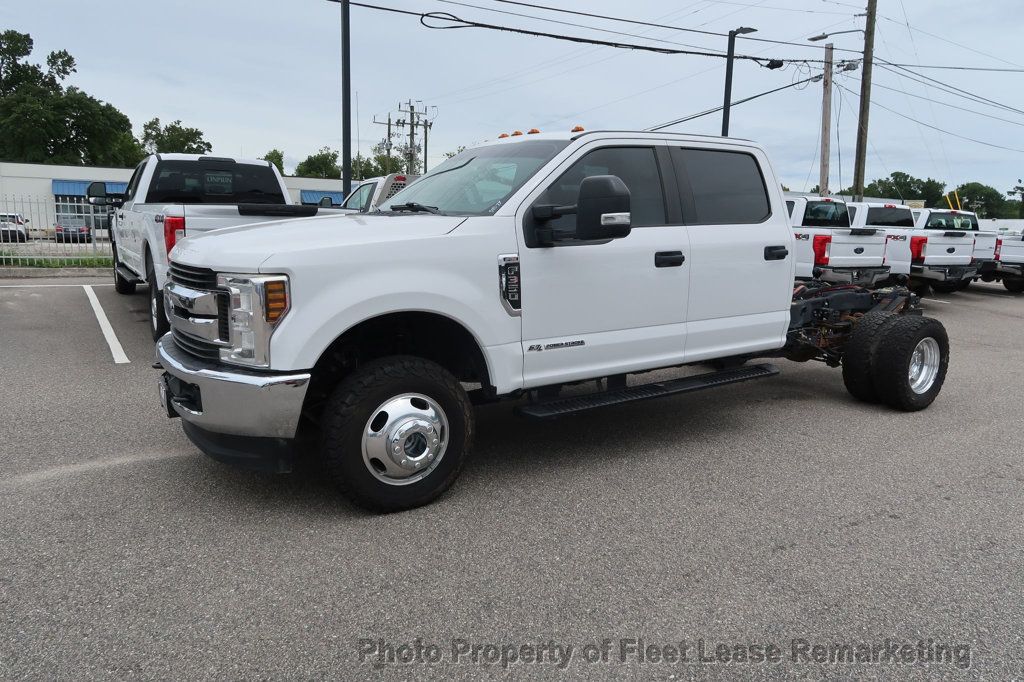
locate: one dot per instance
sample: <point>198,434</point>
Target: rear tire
<point>911,362</point>
<point>1015,285</point>
<point>859,355</point>
<point>947,287</point>
<point>376,412</point>
<point>158,323</point>
<point>964,284</point>
<point>121,285</point>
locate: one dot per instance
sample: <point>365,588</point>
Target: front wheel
<point>911,362</point>
<point>158,323</point>
<point>396,432</point>
<point>121,285</point>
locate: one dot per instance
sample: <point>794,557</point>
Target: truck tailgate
<point>205,217</point>
<point>948,248</point>
<point>984,245</point>
<point>857,247</point>
<point>1012,250</point>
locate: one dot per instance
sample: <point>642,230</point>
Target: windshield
<point>826,214</point>
<point>889,217</point>
<point>213,181</point>
<point>947,220</point>
<point>478,181</point>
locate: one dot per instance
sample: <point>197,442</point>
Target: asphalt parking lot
<point>760,514</point>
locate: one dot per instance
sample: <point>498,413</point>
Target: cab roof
<point>209,157</point>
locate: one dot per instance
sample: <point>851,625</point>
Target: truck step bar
<point>127,274</point>
<point>561,407</point>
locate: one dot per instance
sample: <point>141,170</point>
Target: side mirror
<point>602,211</point>
<point>325,202</point>
<point>97,193</point>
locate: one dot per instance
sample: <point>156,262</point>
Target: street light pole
<point>865,102</point>
<point>729,58</point>
<point>346,100</point>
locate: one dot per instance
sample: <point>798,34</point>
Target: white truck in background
<point>371,193</point>
<point>829,249</point>
<point>170,196</point>
<point>1009,263</point>
<point>929,256</point>
<point>983,256</point>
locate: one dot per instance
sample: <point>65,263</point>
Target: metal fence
<point>53,231</point>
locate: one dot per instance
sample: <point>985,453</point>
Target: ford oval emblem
<point>951,250</point>
<point>859,249</point>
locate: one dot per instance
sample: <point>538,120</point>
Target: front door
<point>592,309</point>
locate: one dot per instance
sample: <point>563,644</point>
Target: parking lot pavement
<point>759,513</point>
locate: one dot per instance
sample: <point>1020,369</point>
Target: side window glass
<point>637,167</point>
<point>789,207</point>
<point>368,189</point>
<point>728,187</point>
<point>133,183</point>
<point>358,197</point>
<point>852,210</point>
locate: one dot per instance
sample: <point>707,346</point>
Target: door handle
<point>668,259</point>
<point>120,216</point>
<point>775,252</point>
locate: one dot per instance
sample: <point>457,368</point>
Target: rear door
<point>897,222</point>
<point>742,267</point>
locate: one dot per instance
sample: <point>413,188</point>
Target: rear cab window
<point>727,187</point>
<point>213,182</point>
<point>826,214</point>
<point>947,220</point>
<point>889,216</point>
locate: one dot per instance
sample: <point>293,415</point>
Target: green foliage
<point>276,157</point>
<point>904,186</point>
<point>986,201</point>
<point>323,164</point>
<point>44,122</point>
<point>376,166</point>
<point>174,138</point>
<point>461,148</point>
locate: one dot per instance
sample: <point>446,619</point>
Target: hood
<point>243,248</point>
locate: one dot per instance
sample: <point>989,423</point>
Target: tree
<point>904,186</point>
<point>323,164</point>
<point>375,166</point>
<point>1018,189</point>
<point>458,150</point>
<point>986,201</point>
<point>276,157</point>
<point>174,138</point>
<point>44,122</point>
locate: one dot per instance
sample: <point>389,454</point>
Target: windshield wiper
<point>414,208</point>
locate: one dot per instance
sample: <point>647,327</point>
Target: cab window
<point>361,197</point>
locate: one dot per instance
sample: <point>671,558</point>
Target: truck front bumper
<point>865,277</point>
<point>234,415</point>
<point>943,273</point>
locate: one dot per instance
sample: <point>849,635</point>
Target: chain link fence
<point>53,232</point>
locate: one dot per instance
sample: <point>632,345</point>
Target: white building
<point>49,195</point>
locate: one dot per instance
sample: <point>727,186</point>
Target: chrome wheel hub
<point>924,365</point>
<point>405,439</point>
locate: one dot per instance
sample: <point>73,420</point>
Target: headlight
<point>256,304</point>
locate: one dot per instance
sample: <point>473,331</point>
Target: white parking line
<point>108,332</point>
<point>935,300</point>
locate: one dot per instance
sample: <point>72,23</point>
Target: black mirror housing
<point>325,202</point>
<point>97,190</point>
<point>602,211</point>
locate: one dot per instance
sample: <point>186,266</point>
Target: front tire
<point>396,433</point>
<point>158,323</point>
<point>121,285</point>
<point>911,362</point>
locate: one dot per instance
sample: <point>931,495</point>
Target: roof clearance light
<point>532,131</point>
<point>516,133</point>
<point>889,206</point>
<point>502,136</point>
<point>577,129</point>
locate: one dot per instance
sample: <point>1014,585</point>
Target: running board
<point>561,407</point>
<point>127,274</point>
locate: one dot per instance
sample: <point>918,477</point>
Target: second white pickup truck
<point>983,255</point>
<point>829,249</point>
<point>173,195</point>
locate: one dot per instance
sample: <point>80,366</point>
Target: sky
<point>260,74</point>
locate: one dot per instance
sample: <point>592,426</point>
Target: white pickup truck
<point>928,256</point>
<point>983,256</point>
<point>372,192</point>
<point>173,195</point>
<point>827,248</point>
<point>1010,263</point>
<point>508,272</point>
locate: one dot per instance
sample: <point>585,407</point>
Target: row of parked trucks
<point>875,244</point>
<point>553,270</point>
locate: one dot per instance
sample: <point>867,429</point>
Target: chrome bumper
<point>1010,269</point>
<point>944,273</point>
<point>231,401</point>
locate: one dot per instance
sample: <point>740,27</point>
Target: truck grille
<point>199,348</point>
<point>192,277</point>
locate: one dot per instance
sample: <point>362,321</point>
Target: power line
<point>708,112</point>
<point>945,104</point>
<point>946,39</point>
<point>931,82</point>
<point>941,130</point>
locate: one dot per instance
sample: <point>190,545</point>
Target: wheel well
<point>426,335</point>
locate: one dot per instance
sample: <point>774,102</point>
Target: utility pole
<point>427,125</point>
<point>412,139</point>
<point>826,122</point>
<point>387,138</point>
<point>346,100</point>
<point>730,57</point>
<point>865,102</point>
